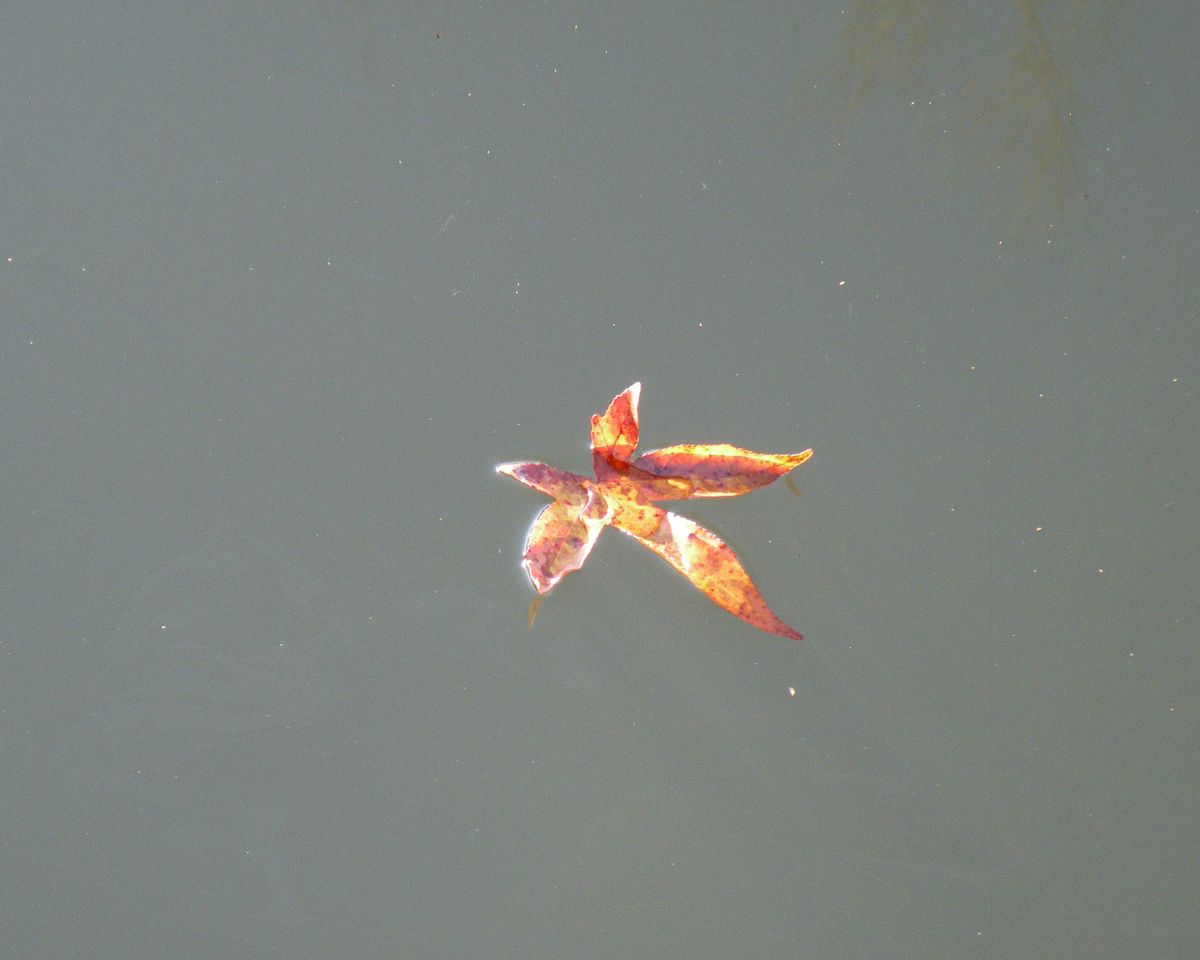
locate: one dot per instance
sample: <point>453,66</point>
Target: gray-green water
<point>281,282</point>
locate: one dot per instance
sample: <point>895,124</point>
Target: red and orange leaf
<point>559,484</point>
<point>563,534</point>
<point>615,432</point>
<point>705,559</point>
<point>561,538</point>
<point>718,469</point>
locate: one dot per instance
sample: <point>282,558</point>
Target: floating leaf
<point>622,495</point>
